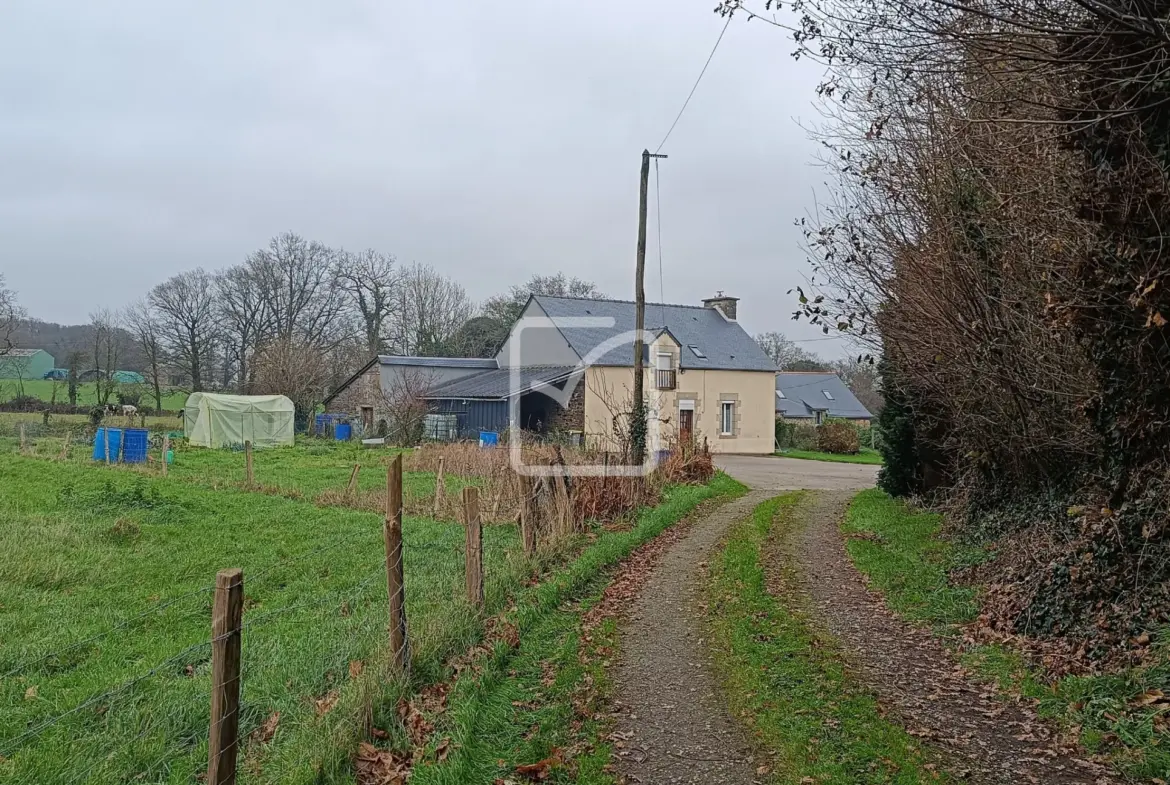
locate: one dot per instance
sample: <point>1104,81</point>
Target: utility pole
<point>638,415</point>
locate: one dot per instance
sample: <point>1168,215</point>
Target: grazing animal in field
<point>128,410</point>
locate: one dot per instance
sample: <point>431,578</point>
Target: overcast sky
<point>139,138</point>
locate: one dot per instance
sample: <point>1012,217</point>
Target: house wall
<point>366,390</point>
<point>539,343</point>
<point>381,381</point>
<point>610,389</point>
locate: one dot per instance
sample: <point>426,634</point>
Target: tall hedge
<point>901,473</point>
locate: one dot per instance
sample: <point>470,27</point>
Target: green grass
<point>90,550</point>
<point>906,560</point>
<point>173,400</point>
<point>522,705</point>
<point>788,680</point>
<point>302,472</point>
<point>910,563</point>
<point>866,456</point>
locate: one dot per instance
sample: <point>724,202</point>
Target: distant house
<point>25,364</point>
<point>128,377</point>
<point>567,366</point>
<point>811,397</point>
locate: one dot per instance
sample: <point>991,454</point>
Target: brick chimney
<point>723,303</point>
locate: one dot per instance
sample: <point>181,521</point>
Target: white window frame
<point>727,418</point>
<point>669,366</point>
<point>828,395</point>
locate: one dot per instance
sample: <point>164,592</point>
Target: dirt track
<point>768,473</point>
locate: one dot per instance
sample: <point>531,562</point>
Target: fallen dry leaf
<point>30,693</point>
<point>355,669</point>
<point>541,769</point>
<point>326,702</point>
<point>267,729</point>
<point>374,766</point>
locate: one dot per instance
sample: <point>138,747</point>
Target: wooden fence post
<point>106,440</point>
<point>564,508</point>
<point>440,491</point>
<point>65,447</point>
<point>527,513</point>
<point>474,551</point>
<point>226,616</point>
<point>166,448</point>
<point>395,579</point>
<point>353,478</point>
<point>249,474</point>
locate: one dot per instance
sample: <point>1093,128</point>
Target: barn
<point>25,364</point>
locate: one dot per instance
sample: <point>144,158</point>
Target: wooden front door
<point>686,425</point>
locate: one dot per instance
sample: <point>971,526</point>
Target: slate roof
<point>725,343</point>
<point>438,362</point>
<point>21,352</point>
<point>498,384</point>
<point>805,392</point>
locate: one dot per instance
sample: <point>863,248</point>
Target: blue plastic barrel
<point>488,438</point>
<point>320,421</point>
<point>342,431</point>
<point>137,445</point>
<point>99,443</point>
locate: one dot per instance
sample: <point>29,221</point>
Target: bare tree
<point>404,401</point>
<point>298,287</point>
<point>143,323</point>
<point>188,323</point>
<point>107,350</point>
<point>294,369</point>
<point>244,317</point>
<point>430,308</point>
<point>368,278</point>
<point>10,316</point>
<point>506,308</point>
<point>786,354</point>
<point>861,377</point>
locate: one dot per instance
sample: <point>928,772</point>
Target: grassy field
<point>1124,715</point>
<point>105,600</point>
<point>787,679</point>
<point>865,456</point>
<point>105,614</point>
<point>173,400</point>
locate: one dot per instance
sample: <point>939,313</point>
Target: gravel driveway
<point>769,473</point>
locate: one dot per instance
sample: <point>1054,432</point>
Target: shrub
<point>795,436</point>
<point>899,475</point>
<point>839,437</point>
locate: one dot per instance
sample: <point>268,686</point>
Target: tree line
<point>995,231</point>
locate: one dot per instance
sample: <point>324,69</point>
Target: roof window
<point>697,351</point>
<point>828,395</point>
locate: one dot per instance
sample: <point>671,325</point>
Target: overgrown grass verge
<point>866,456</point>
<point>788,681</point>
<point>1124,715</point>
<point>537,702</point>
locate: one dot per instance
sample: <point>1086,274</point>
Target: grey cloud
<point>492,141</point>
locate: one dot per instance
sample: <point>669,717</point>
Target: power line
<point>696,85</point>
<point>658,221</point>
